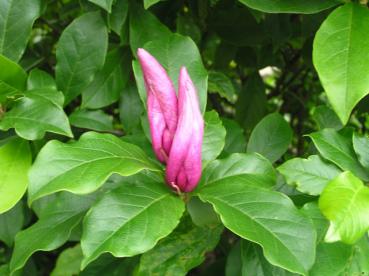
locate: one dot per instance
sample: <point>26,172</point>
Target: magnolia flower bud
<point>161,104</point>
<point>184,164</point>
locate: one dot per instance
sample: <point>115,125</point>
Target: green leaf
<point>68,262</point>
<point>149,3</point>
<point>10,223</point>
<point>80,53</point>
<point>361,147</point>
<point>214,137</point>
<point>52,229</point>
<point>95,156</point>
<point>109,82</point>
<point>290,6</point>
<point>130,108</point>
<point>339,51</point>
<point>358,264</point>
<point>326,118</point>
<point>186,26</point>
<point>345,203</point>
<point>39,111</point>
<point>266,217</point>
<point>202,213</point>
<point>12,80</point>
<point>16,20</point>
<point>105,4</point>
<point>95,120</point>
<point>221,84</point>
<point>15,161</point>
<point>140,214</point>
<point>118,18</point>
<point>271,137</point>
<point>166,52</point>
<point>40,79</point>
<point>181,251</point>
<point>321,224</point>
<point>235,140</point>
<point>337,148</point>
<point>238,166</point>
<point>309,175</point>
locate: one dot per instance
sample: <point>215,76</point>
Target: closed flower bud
<point>161,104</point>
<point>184,164</point>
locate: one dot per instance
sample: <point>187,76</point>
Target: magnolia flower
<point>176,126</point>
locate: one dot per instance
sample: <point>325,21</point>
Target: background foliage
<point>283,86</point>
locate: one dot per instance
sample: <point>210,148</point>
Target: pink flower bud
<point>184,164</point>
<point>161,104</point>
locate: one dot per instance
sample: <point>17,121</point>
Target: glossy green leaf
<point>166,52</point>
<point>15,161</point>
<point>338,55</point>
<point>40,79</point>
<point>181,251</point>
<point>266,217</point>
<point>238,166</point>
<point>10,223</point>
<point>52,229</point>
<point>345,202</point>
<point>221,84</point>
<point>105,4</point>
<point>109,82</point>
<point>79,56</point>
<point>337,147</point>
<point>95,156</point>
<point>95,120</point>
<point>271,137</point>
<point>16,20</point>
<point>214,137</point>
<point>326,118</point>
<point>68,262</point>
<point>290,6</point>
<point>361,147</point>
<point>38,112</point>
<point>235,140</point>
<point>309,175</point>
<point>12,80</point>
<point>139,214</point>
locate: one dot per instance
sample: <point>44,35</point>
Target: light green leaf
<point>40,79</point>
<point>12,80</point>
<point>222,84</point>
<point>95,156</point>
<point>290,6</point>
<point>15,161</point>
<point>52,229</point>
<point>337,148</point>
<point>38,112</point>
<point>338,54</point>
<point>166,52</point>
<point>68,262</point>
<point>266,217</point>
<point>321,224</point>
<point>10,223</point>
<point>358,264</point>
<point>95,120</point>
<point>16,20</point>
<point>109,82</point>
<point>271,137</point>
<point>105,4</point>
<point>309,175</point>
<point>181,251</point>
<point>80,53</point>
<point>345,203</point>
<point>326,118</point>
<point>149,3</point>
<point>214,137</point>
<point>139,214</point>
<point>361,147</point>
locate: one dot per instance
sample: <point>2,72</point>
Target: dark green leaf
<point>105,4</point>
<point>202,213</point>
<point>149,3</point>
<point>95,120</point>
<point>118,17</point>
<point>235,140</point>
<point>10,223</point>
<point>326,118</point>
<point>221,84</point>
<point>68,262</point>
<point>361,147</point>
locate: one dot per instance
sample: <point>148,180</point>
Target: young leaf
<point>338,54</point>
<point>95,120</point>
<point>79,56</point>
<point>271,137</point>
<point>52,229</point>
<point>345,202</point>
<point>16,20</point>
<point>337,148</point>
<point>309,175</point>
<point>139,214</point>
<point>38,112</point>
<point>95,156</point>
<point>15,161</point>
